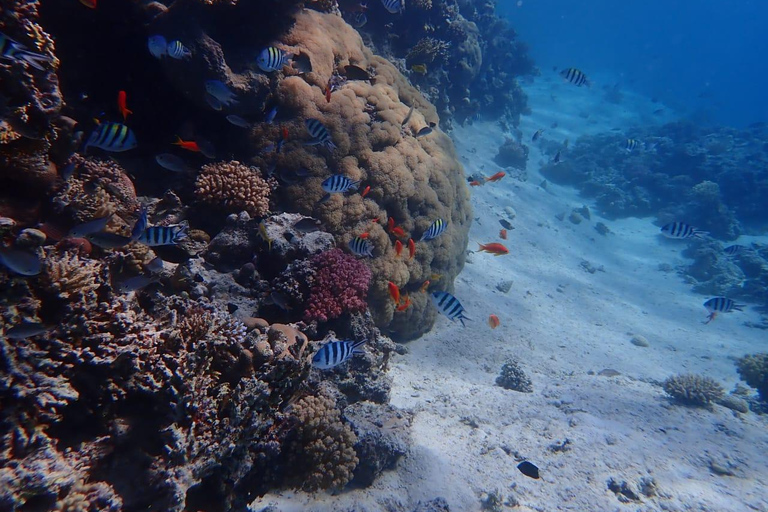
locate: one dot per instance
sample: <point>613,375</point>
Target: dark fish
<point>575,76</point>
<point>434,230</point>
<point>319,134</point>
<point>86,228</point>
<point>353,72</point>
<point>408,117</point>
<point>206,148</point>
<point>221,92</point>
<point>537,134</point>
<point>27,330</point>
<point>213,102</point>
<point>136,283</point>
<point>358,19</point>
<point>449,306</point>
<point>271,115</point>
<point>424,131</point>
<point>172,162</point>
<point>334,353</point>
<point>733,250</point>
<point>17,52</point>
<point>272,59</point>
<point>108,240</point>
<point>164,235</point>
<point>528,469</point>
<point>680,230</point>
<point>302,63</point>
<point>156,265</point>
<point>557,157</point>
<point>307,225</point>
<point>658,111</point>
<point>114,137</point>
<point>279,300</point>
<point>238,121</point>
<point>21,262</point>
<point>361,247</point>
<point>506,224</point>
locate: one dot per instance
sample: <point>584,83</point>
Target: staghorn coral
<point>233,187</point>
<point>513,377</point>
<point>324,444</point>
<point>340,286</point>
<point>691,389</point>
<point>753,369</point>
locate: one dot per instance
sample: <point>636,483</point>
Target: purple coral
<point>340,286</point>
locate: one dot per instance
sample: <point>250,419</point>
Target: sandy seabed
<point>564,325</point>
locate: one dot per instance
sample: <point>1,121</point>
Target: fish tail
<point>183,231</point>
<point>480,247</point>
<point>739,307</point>
<point>355,185</point>
<point>356,347</point>
<point>34,59</point>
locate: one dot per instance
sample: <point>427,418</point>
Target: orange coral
<point>234,186</point>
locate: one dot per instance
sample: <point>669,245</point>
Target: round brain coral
<point>234,187</point>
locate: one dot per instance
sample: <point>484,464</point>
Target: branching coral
<point>427,50</point>
<point>513,377</point>
<point>324,444</point>
<point>691,389</point>
<point>233,187</point>
<point>71,277</point>
<point>340,286</point>
<point>753,369</point>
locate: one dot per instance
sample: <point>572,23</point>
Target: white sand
<point>618,427</point>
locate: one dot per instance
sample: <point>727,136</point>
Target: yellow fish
<point>264,235</point>
<point>419,68</point>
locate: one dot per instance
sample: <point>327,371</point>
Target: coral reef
<point>340,285</point>
<point>512,154</point>
<point>513,377</point>
<point>233,187</point>
<point>753,369</point>
<point>691,389</point>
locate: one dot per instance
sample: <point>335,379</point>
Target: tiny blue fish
<point>733,250</point>
<point>27,330</point>
<point>177,50</point>
<point>435,230</point>
<point>206,148</point>
<point>164,235</point>
<point>158,46</point>
<point>113,137</point>
<point>449,306</point>
<point>134,284</point>
<point>238,121</point>
<point>424,131</point>
<point>334,353</point>
<point>213,102</point>
<point>107,240</point>
<point>87,228</point>
<point>172,162</point>
<point>319,134</point>
<point>221,92</point>
<point>680,230</point>
<point>17,52</point>
<point>358,19</point>
<point>21,262</point>
<point>272,59</point>
<point>394,6</point>
<point>271,115</point>
<point>156,265</point>
<point>339,184</point>
<point>361,247</point>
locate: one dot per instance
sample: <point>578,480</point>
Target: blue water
<point>705,57</point>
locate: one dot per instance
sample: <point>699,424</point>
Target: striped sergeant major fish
<point>272,59</point>
<point>394,6</point>
<point>631,144</point>
<point>319,134</point>
<point>721,305</point>
<point>733,250</point>
<point>177,50</point>
<point>575,76</point>
<point>361,247</point>
<point>334,353</point>
<point>682,230</point>
<point>17,52</point>
<point>114,137</point>
<point>435,230</point>
<point>338,184</point>
<point>164,235</point>
<point>449,306</point>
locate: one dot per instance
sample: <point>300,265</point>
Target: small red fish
<point>284,133</point>
<point>189,145</point>
<point>398,232</point>
<point>375,220</point>
<point>363,235</point>
<point>474,183</point>
<point>405,305</point>
<point>493,321</point>
<point>394,292</point>
<point>121,98</point>
<point>328,92</point>
<point>365,192</point>
<point>503,234</point>
<point>494,248</point>
<point>411,248</point>
<point>398,247</point>
<point>424,286</point>
<point>390,224</point>
<point>497,176</point>
<point>91,4</point>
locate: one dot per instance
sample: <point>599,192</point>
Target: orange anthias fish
<point>493,321</point>
<point>474,183</point>
<point>497,176</point>
<point>494,248</point>
<point>189,145</point>
<point>91,4</point>
<point>424,286</point>
<point>363,235</point>
<point>121,99</point>
<point>503,234</point>
<point>411,248</point>
<point>328,92</point>
<point>405,305</point>
<point>390,224</point>
<point>365,192</point>
<point>398,247</point>
<point>284,133</point>
<point>394,292</point>
<point>398,232</point>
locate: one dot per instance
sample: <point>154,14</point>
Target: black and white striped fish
<point>449,306</point>
<point>435,230</point>
<point>361,247</point>
<point>733,250</point>
<point>272,59</point>
<point>164,235</point>
<point>15,51</point>
<point>114,137</point>
<point>319,134</point>
<point>394,6</point>
<point>721,305</point>
<point>177,50</point>
<point>338,184</point>
<point>682,230</point>
<point>631,144</point>
<point>334,353</point>
<point>575,76</point>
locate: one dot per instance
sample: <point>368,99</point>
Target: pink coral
<point>340,286</point>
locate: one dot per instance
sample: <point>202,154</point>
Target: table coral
<point>340,285</point>
<point>233,187</point>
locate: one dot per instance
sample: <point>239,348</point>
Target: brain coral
<point>233,186</point>
<point>412,180</point>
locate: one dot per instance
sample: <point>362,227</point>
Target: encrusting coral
<point>691,389</point>
<point>233,187</point>
<point>513,377</point>
<point>340,285</point>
